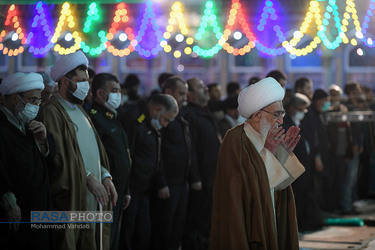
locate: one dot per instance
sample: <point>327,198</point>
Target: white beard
<point>264,127</point>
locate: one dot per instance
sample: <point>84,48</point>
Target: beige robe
<point>68,177</point>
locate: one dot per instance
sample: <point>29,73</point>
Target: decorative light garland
<point>120,17</point>
<point>314,12</point>
<point>12,18</point>
<point>270,12</point>
<point>93,16</point>
<point>236,13</point>
<point>177,17</point>
<point>66,14</point>
<point>209,16</point>
<point>148,15</point>
<point>369,13</point>
<point>40,28</point>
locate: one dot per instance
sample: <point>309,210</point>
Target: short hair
<point>350,86</point>
<point>253,80</point>
<point>301,82</point>
<point>299,99</point>
<point>190,83</point>
<point>171,83</point>
<point>319,94</point>
<point>163,77</point>
<point>100,81</point>
<point>73,72</point>
<point>167,101</point>
<point>211,86</point>
<point>276,74</point>
<point>91,72</point>
<point>232,87</point>
<point>131,81</point>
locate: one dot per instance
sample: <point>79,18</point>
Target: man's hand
<point>197,186</point>
<point>291,139</point>
<point>97,189</point>
<point>111,190</point>
<point>14,215</point>
<point>318,164</point>
<point>274,137</point>
<point>39,131</point>
<point>163,193</point>
<point>127,200</point>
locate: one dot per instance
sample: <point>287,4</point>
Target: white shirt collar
<point>69,104</point>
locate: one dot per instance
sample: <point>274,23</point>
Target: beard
<point>264,127</point>
<point>69,95</point>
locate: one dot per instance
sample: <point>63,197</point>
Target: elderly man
<point>79,178</point>
<point>253,205</point>
<point>24,185</point>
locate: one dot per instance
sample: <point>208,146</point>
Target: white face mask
<point>155,123</point>
<point>29,112</point>
<point>299,115</point>
<point>82,89</point>
<point>114,101</point>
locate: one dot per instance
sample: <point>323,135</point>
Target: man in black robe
<point>23,173</point>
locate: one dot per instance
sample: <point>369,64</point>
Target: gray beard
<point>264,127</point>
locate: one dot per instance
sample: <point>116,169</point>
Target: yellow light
<point>167,48</point>
<point>189,40</point>
<point>177,54</point>
<point>187,50</point>
<point>167,35</point>
<point>353,42</point>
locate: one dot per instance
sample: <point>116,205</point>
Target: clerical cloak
<point>243,216</point>
<point>68,176</point>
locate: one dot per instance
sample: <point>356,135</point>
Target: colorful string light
<point>149,18</point>
<point>40,27</point>
<point>270,12</point>
<point>12,18</point>
<point>314,12</point>
<point>237,14</point>
<point>66,15</point>
<point>208,17</point>
<point>369,13</point>
<point>93,16</point>
<point>350,8</point>
<point>119,21</point>
<point>177,18</point>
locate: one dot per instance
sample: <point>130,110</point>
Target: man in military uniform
<point>144,140</point>
<point>106,93</point>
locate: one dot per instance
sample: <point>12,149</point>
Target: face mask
<point>114,101</point>
<point>299,115</point>
<point>82,89</point>
<point>155,123</point>
<point>362,97</point>
<point>29,112</point>
<point>326,106</point>
<point>124,98</point>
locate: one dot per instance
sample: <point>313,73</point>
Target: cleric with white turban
<point>258,96</point>
<point>21,82</point>
<point>67,63</point>
<point>256,164</point>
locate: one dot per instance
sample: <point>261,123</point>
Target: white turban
<point>21,82</point>
<point>67,63</point>
<point>258,96</point>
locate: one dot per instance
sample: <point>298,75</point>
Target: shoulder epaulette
<point>141,118</point>
<point>93,111</point>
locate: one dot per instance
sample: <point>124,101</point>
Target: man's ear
<point>168,91</point>
<point>64,82</point>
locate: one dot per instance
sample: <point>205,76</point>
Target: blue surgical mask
<point>156,124</point>
<point>326,106</point>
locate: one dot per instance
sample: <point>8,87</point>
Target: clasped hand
<point>276,136</point>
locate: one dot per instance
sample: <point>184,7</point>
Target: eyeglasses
<point>276,114</point>
<point>33,100</point>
